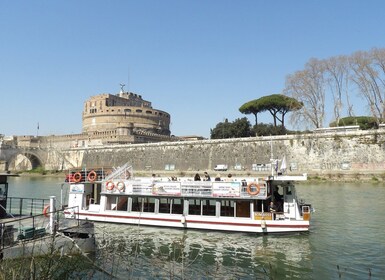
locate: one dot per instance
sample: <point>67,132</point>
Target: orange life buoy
<point>77,177</point>
<point>120,185</point>
<point>250,192</point>
<point>45,211</point>
<point>92,176</point>
<point>110,185</point>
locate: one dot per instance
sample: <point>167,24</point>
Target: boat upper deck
<point>122,182</point>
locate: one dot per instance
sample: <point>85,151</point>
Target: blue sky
<point>197,60</point>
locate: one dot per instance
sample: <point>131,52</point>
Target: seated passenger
<point>206,177</point>
<point>197,177</point>
<point>218,177</point>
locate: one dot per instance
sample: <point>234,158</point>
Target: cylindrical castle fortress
<point>124,113</point>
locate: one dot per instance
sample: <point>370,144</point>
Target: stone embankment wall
<point>351,152</point>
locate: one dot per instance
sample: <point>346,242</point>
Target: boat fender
<point>92,176</point>
<point>46,211</point>
<point>263,224</point>
<point>120,185</point>
<point>250,192</point>
<point>110,185</point>
<point>77,177</point>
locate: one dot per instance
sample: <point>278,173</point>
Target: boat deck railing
<point>19,206</point>
<point>124,172</point>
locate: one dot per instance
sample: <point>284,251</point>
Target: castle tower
<point>125,112</point>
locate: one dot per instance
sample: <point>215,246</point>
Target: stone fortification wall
<point>315,152</point>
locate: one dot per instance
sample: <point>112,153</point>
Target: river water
<point>346,241</point>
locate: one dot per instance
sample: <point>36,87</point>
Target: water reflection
<point>347,230</point>
<point>147,252</point>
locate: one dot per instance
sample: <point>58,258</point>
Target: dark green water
<point>346,241</point>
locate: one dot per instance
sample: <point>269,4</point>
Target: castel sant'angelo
<point>109,119</point>
<point>124,118</point>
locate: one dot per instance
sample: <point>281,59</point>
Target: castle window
<point>139,111</point>
<point>93,110</point>
<point>148,112</point>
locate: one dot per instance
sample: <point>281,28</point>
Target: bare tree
<point>368,74</point>
<point>337,77</point>
<point>378,56</point>
<point>308,87</point>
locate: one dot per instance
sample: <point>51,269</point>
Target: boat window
<point>194,207</point>
<point>259,206</point>
<point>164,205</point>
<point>208,207</point>
<point>227,208</point>
<point>148,204</point>
<point>288,190</point>
<point>143,204</point>
<point>116,203</point>
<point>243,208</point>
<point>177,206</point>
<point>136,204</point>
<point>121,204</point>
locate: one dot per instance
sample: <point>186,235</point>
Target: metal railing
<point>19,206</point>
<point>13,229</point>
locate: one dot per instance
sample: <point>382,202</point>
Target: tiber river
<point>346,241</point>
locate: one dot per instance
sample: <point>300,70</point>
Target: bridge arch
<point>24,161</point>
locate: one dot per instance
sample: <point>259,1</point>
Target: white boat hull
<point>198,222</point>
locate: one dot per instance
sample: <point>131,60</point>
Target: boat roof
<point>287,178</point>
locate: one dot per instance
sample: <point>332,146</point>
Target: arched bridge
<point>22,158</point>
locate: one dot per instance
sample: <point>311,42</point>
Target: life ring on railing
<point>110,185</point>
<point>250,192</point>
<point>77,177</point>
<point>120,185</point>
<point>45,211</point>
<point>92,176</point>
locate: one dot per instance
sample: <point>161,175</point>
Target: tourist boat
<point>240,205</point>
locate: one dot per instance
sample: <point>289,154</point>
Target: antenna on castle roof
<point>122,88</point>
<point>128,81</point>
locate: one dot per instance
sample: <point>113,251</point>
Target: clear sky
<point>198,60</point>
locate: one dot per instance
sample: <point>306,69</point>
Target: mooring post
<point>52,207</point>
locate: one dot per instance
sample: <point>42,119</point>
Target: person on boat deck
<point>218,177</point>
<point>206,177</point>
<point>229,178</point>
<point>272,207</point>
<point>173,178</point>
<point>197,177</point>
